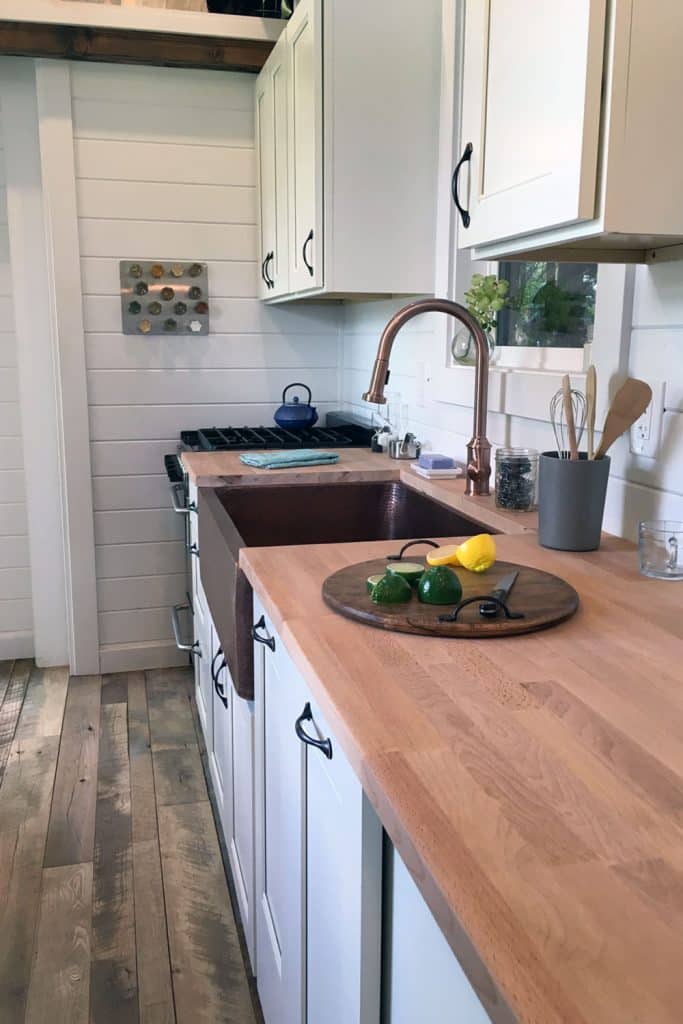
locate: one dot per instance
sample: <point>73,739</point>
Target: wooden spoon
<point>569,417</point>
<point>629,403</point>
<point>591,391</point>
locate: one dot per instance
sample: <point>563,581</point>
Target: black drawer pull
<point>465,158</point>
<point>307,716</point>
<point>269,641</point>
<point>269,281</point>
<point>309,238</point>
<point>218,686</point>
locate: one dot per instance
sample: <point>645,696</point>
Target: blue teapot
<point>293,415</point>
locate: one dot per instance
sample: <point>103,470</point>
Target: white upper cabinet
<point>358,163</point>
<point>305,153</point>
<point>271,136</point>
<point>562,153</point>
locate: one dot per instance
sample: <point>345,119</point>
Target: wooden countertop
<point>212,469</point>
<point>533,785</point>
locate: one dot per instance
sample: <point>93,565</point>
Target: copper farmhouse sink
<point>267,515</point>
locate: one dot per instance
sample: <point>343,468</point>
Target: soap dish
<point>437,474</point>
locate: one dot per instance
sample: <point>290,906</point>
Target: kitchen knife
<point>489,609</point>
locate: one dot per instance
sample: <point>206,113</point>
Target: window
<point>549,305</point>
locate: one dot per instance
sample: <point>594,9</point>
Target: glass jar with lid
<point>516,479</point>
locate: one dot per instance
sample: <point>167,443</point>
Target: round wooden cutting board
<point>544,600</point>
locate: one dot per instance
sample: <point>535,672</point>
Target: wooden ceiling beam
<point>130,46</point>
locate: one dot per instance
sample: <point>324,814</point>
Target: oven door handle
<point>193,648</point>
<point>177,494</point>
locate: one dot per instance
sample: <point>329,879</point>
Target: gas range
<point>340,431</point>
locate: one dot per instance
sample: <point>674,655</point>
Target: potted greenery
<point>485,297</point>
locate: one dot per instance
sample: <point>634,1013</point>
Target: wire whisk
<point>559,420</point>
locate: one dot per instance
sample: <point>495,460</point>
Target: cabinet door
<point>241,844</point>
<point>343,887</point>
<point>531,113</point>
<point>423,980</point>
<point>304,40</point>
<point>280,836</point>
<point>202,670</point>
<point>271,146</point>
<point>220,756</point>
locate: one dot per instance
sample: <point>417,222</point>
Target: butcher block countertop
<point>533,785</point>
<point>213,469</point>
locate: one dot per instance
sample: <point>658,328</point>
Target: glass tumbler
<point>660,547</point>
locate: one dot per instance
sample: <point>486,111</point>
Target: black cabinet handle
<point>465,158</point>
<point>269,281</point>
<point>269,641</point>
<point>303,252</point>
<point>307,716</point>
<point>263,273</point>
<point>194,550</point>
<point>218,687</point>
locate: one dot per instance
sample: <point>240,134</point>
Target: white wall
<point>16,620</point>
<point>639,488</point>
<point>165,170</point>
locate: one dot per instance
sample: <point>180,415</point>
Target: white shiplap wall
<point>165,170</point>
<point>639,488</point>
<point>16,620</point>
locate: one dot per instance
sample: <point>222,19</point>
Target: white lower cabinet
<point>318,857</point>
<point>203,688</point>
<point>421,978</point>
<point>241,844</point>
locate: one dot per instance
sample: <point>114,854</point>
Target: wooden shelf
<point>127,35</point>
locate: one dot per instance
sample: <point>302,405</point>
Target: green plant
<point>485,298</point>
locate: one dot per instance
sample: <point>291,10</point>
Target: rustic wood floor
<point>114,905</point>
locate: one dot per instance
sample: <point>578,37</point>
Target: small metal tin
<point>177,270</point>
<point>134,307</point>
<point>141,288</point>
<point>135,270</point>
<point>195,270</point>
<point>195,326</point>
<point>145,326</point>
<point>180,308</point>
<point>170,324</point>
<point>157,270</point>
<point>195,292</point>
<point>201,307</point>
<point>154,308</point>
<point>167,294</point>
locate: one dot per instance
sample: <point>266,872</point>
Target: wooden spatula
<point>630,402</point>
<point>591,391</point>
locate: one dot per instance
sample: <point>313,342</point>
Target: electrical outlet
<point>646,431</point>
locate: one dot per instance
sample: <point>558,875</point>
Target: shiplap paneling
<point>166,171</point>
<point>16,620</point>
<point>131,422</point>
<point>116,561</point>
<point>109,159</point>
<point>140,524</point>
<point>142,200</point>
<point>115,595</point>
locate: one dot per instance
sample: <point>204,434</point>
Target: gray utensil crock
<point>571,501</point>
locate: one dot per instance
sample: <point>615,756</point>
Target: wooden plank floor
<point>114,905</point>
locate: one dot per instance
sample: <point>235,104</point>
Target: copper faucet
<point>479,449</point>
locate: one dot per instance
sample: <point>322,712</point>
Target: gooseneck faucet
<point>478,449</point>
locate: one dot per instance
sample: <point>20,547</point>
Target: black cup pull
<point>217,685</point>
<point>309,238</point>
<point>307,716</point>
<point>465,158</point>
<point>269,258</point>
<point>269,641</point>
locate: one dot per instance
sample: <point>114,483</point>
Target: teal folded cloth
<point>288,459</point>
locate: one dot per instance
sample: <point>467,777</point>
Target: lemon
<point>477,553</point>
<point>447,555</point>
